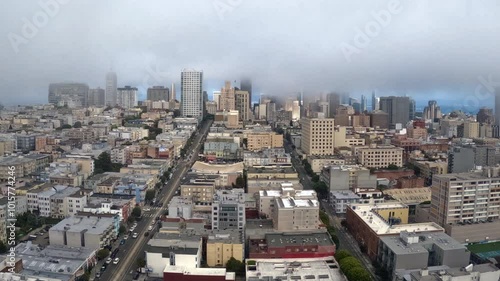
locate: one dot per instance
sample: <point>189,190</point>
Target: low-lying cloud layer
<point>394,46</point>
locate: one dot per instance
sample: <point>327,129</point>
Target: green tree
<point>324,218</point>
<point>77,124</point>
<point>315,178</point>
<point>102,253</point>
<point>141,262</point>
<point>234,265</point>
<point>349,262</point>
<point>340,255</point>
<point>122,229</point>
<point>240,182</point>
<point>66,126</point>
<point>150,194</point>
<point>321,189</point>
<point>130,219</point>
<point>103,163</point>
<point>136,212</point>
<point>392,167</point>
<point>358,274</point>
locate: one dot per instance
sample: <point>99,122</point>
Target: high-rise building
<point>242,104</point>
<point>432,111</point>
<point>227,97</point>
<point>497,106</point>
<point>375,102</point>
<point>111,88</point>
<point>246,85</point>
<point>228,209</point>
<point>69,94</point>
<point>216,98</point>
<point>363,103</point>
<point>126,97</point>
<point>333,102</point>
<point>485,116</point>
<point>318,136</point>
<point>96,97</point>
<point>158,93</point>
<point>192,93</point>
<point>398,109</point>
<point>412,109</point>
<point>172,93</point>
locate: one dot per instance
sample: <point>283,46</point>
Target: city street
<point>134,248</point>
<point>347,242</point>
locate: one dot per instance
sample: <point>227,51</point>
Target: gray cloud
<point>284,45</point>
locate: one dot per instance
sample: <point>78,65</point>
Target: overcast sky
<point>425,49</point>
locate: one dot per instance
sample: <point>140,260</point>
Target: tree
<point>122,229</point>
<point>321,189</point>
<point>136,212</point>
<point>77,124</point>
<point>103,163</point>
<point>340,255</point>
<point>392,167</point>
<point>240,182</point>
<point>150,194</point>
<point>102,253</point>
<point>234,265</point>
<point>324,218</point>
<point>349,262</point>
<point>315,178</point>
<point>66,126</point>
<point>141,262</point>
<point>130,219</point>
<point>357,274</point>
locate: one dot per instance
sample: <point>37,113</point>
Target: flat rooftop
<point>289,202</point>
<point>294,269</point>
<point>410,195</point>
<point>344,195</point>
<point>272,169</point>
<point>202,167</point>
<point>425,241</point>
<point>367,212</point>
<point>91,224</point>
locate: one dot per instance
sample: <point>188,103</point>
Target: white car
<point>125,237</point>
<point>116,261</point>
<point>135,235</point>
<point>150,227</point>
<point>109,260</point>
<point>147,210</point>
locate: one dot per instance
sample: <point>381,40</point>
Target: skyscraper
<point>246,85</point>
<point>485,116</point>
<point>497,106</point>
<point>334,102</point>
<point>158,93</point>
<point>192,93</point>
<point>111,85</point>
<point>227,97</point>
<point>363,103</point>
<point>96,97</point>
<point>242,104</point>
<point>398,109</point>
<point>432,111</point>
<point>172,92</point>
<point>412,109</point>
<point>69,94</point>
<point>375,102</point>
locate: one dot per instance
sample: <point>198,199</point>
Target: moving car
<point>103,268</point>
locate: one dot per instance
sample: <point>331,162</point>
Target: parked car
<point>122,242</point>
<point>98,274</point>
<point>109,260</point>
<point>116,261</point>
<point>135,235</point>
<point>150,227</point>
<point>125,237</point>
<point>146,234</point>
<point>103,268</point>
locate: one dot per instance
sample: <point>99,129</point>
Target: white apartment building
<point>228,209</point>
<point>266,200</point>
<point>292,214</point>
<point>126,97</point>
<point>192,93</point>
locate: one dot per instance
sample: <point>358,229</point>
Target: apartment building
<point>380,156</point>
<point>92,232</point>
<point>290,214</point>
<point>228,209</point>
<point>257,141</point>
<point>319,162</point>
<point>200,190</point>
<point>317,136</point>
<point>24,165</point>
<point>224,245</point>
<point>467,205</point>
<point>266,199</point>
<point>348,177</point>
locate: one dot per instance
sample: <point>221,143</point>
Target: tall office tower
<point>111,86</point>
<point>363,103</point>
<point>355,104</point>
<point>497,106</point>
<point>271,112</point>
<point>430,110</point>
<point>216,98</point>
<point>412,109</point>
<point>318,136</point>
<point>172,92</point>
<point>344,98</point>
<point>333,100</point>
<point>158,93</point>
<point>126,97</point>
<point>96,97</point>
<point>192,93</point>
<point>485,116</point>
<point>242,104</point>
<point>296,110</point>
<point>68,94</point>
<point>227,97</point>
<point>246,85</point>
<point>398,109</point>
<point>375,102</point>
<point>324,108</point>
